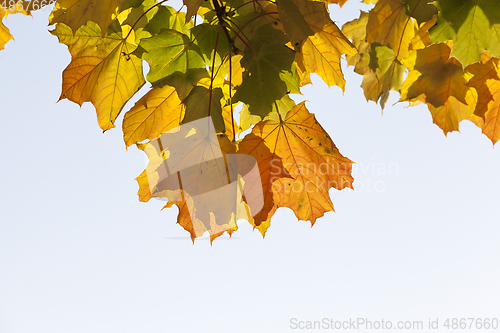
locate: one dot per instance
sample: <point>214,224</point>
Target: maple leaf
<point>5,35</point>
<point>389,24</point>
<point>211,42</point>
<point>422,38</point>
<point>310,157</point>
<point>268,72</point>
<point>171,52</point>
<point>271,168</point>
<point>435,75</point>
<point>157,112</point>
<point>473,25</point>
<point>381,69</point>
<point>76,13</point>
<point>294,24</point>
<point>486,80</point>
<point>102,70</point>
<point>321,52</point>
<point>381,72</point>
<point>421,10</point>
<point>197,171</point>
<point>439,81</point>
<point>356,31</point>
<point>192,7</point>
<point>453,111</point>
<point>202,102</point>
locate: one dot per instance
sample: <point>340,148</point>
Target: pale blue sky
<point>79,253</point>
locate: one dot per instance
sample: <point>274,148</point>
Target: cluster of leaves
<point>218,57</point>
<point>449,50</point>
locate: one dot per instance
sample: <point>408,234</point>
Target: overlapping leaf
<point>321,52</point>
<point>271,169</point>
<point>378,64</point>
<point>191,167</point>
<point>381,72</point>
<point>76,13</point>
<point>439,81</point>
<point>356,31</point>
<point>486,80</point>
<point>388,24</point>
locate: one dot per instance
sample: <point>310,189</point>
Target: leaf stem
<point>212,75</point>
<point>230,97</point>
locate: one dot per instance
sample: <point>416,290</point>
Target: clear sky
<point>417,239</point>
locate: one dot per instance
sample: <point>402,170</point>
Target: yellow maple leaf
<point>321,52</point>
<point>311,159</point>
<point>439,81</point>
<point>197,171</point>
<point>388,24</point>
<point>356,31</point>
<point>5,35</point>
<point>157,112</point>
<point>102,70</point>
<point>76,13</point>
<point>453,111</point>
<point>486,80</point>
<point>436,76</point>
<point>271,169</point>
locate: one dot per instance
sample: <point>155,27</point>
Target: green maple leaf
<point>202,102</point>
<point>207,37</point>
<point>169,53</point>
<point>472,25</point>
<point>269,72</point>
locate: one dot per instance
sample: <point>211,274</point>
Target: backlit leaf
<point>102,71</point>
<point>381,72</point>
<point>486,80</point>
<point>312,160</point>
<point>421,10</point>
<point>202,102</point>
<point>76,13</point>
<point>157,112</point>
<point>5,35</point>
<point>321,52</point>
<point>356,31</point>
<point>473,25</point>
<point>295,26</point>
<point>439,81</point>
<point>192,7</point>
<point>271,169</point>
<point>266,65</point>
<point>171,52</point>
<point>388,24</point>
<point>454,111</point>
<point>436,76</point>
